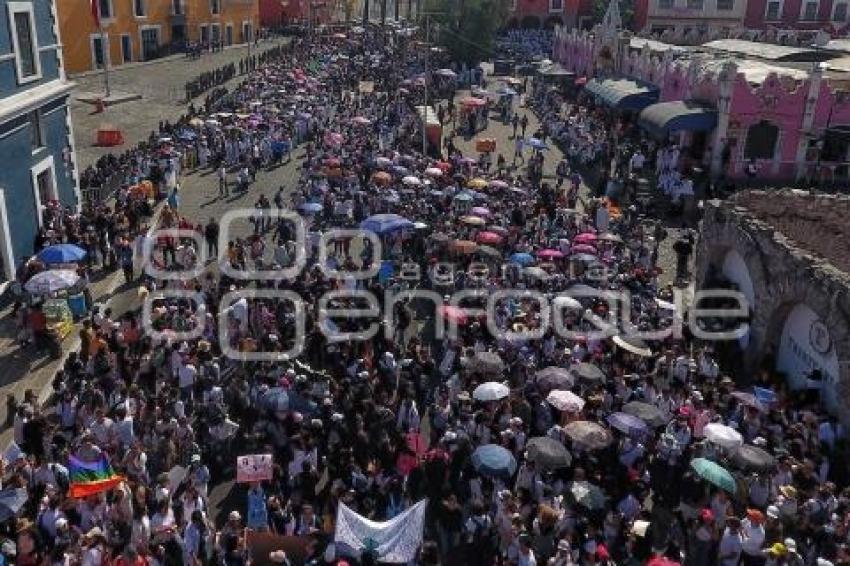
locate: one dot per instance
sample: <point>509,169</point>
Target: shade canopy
<point>625,94</point>
<point>664,118</point>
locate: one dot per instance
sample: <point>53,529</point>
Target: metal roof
<point>641,42</point>
<point>767,51</point>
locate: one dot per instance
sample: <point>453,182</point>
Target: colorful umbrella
<point>498,184</point>
<point>480,211</point>
<point>464,246</point>
<point>454,314</point>
<point>386,223</point>
<point>585,238</point>
<point>434,172</point>
<point>477,183</point>
<point>714,474</point>
<point>51,281</point>
<point>473,220</point>
<point>583,249</point>
<point>411,181</point>
<point>382,178</point>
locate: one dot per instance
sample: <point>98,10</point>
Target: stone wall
<point>796,247</point>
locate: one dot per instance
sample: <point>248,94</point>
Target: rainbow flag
<point>88,478</point>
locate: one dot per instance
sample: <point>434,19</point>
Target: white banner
<point>396,540</point>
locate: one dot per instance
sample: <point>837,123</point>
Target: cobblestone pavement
<point>161,83</point>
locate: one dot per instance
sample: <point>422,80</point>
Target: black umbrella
<point>554,377</point>
<point>589,372</point>
<point>749,457</point>
<point>548,453</point>
<point>650,414</point>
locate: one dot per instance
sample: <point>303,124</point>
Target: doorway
<point>126,48</point>
<point>150,43</point>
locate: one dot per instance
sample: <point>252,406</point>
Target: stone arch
<point>553,21</point>
<point>784,294</point>
<point>531,22</point>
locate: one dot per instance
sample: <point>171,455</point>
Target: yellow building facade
<point>141,30</point>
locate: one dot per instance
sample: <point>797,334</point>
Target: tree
<point>465,28</point>
<point>627,12</point>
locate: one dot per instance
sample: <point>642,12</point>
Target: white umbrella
<point>566,302</point>
<point>51,281</point>
<point>723,436</point>
<point>565,401</point>
<point>491,391</point>
<point>411,181</point>
<point>434,172</point>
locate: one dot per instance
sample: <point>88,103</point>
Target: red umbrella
<point>583,249</point>
<point>662,561</point>
<point>488,238</point>
<point>443,166</point>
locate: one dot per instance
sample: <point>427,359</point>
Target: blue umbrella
<point>62,253</point>
<point>537,144</point>
<point>494,460</point>
<point>386,223</point>
<point>465,196</point>
<point>627,424</point>
<point>522,258</point>
<point>311,207</point>
<point>765,396</point>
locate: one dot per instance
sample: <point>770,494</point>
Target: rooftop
<point>814,223</point>
<point>767,51</point>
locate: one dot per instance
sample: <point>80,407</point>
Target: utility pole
<point>426,107</point>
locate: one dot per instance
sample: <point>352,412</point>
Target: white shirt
<point>753,537</point>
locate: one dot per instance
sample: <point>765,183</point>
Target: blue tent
<point>386,224</point>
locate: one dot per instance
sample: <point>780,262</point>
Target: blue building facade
<point>38,170</point>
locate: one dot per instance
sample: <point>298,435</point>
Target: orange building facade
<point>141,30</point>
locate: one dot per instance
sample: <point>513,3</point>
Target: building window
<point>839,12</point>
<point>126,48</point>
<point>215,6</point>
<point>228,34</point>
<point>104,7</point>
<point>247,32</point>
<point>556,5</point>
<point>177,7</point>
<point>513,5</point>
<point>665,4</point>
<point>694,4</point>
<point>810,11</point>
<point>36,130</point>
<point>140,9</point>
<point>773,12</point>
<point>725,5</point>
<point>761,141</point>
<point>98,51</point>
<point>24,41</point>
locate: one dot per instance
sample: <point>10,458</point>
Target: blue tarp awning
<point>625,94</point>
<point>665,117</point>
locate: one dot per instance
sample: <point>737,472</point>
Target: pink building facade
<point>777,118</point>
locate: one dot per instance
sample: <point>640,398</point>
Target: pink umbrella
<point>480,211</point>
<point>333,138</point>
<point>488,238</point>
<point>454,314</point>
<point>583,249</point>
<point>550,254</point>
<point>585,238</point>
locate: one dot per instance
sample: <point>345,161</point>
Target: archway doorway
<point>806,352</point>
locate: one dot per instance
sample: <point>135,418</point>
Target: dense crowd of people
<point>540,431</point>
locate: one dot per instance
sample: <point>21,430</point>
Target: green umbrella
<point>714,473</point>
